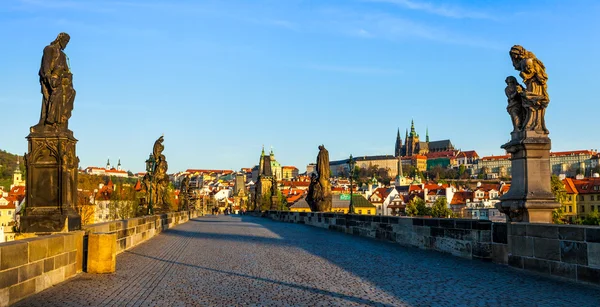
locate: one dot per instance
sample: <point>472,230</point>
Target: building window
<point>593,208</point>
<point>359,211</point>
<point>570,209</point>
<point>581,197</point>
<point>570,198</point>
<point>582,208</point>
<point>368,211</point>
<point>591,197</point>
<point>10,212</point>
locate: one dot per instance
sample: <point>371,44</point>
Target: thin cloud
<point>354,69</point>
<point>441,10</point>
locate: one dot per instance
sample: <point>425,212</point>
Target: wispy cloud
<point>354,69</point>
<point>441,10</point>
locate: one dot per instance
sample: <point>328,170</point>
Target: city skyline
<point>222,79</point>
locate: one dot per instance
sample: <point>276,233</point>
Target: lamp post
<point>351,164</point>
<point>150,168</point>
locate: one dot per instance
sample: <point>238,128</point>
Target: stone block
<point>48,264</point>
<point>417,222</point>
<point>536,265</point>
<point>546,249</point>
<point>56,245</point>
<point>455,247</point>
<point>592,235</point>
<point>521,246</point>
<point>500,253</point>
<point>593,254</point>
<point>446,223</point>
<point>571,233</point>
<point>57,276</point>
<point>38,248</point>
<point>31,270</point>
<point>13,254</point>
<point>21,290</point>
<point>542,231</point>
<point>4,299</point>
<point>79,253</point>
<point>482,225</point>
<point>574,252</point>
<point>9,277</point>
<point>463,224</point>
<point>562,269</point>
<point>42,283</point>
<point>481,236</point>
<point>437,232</point>
<point>422,231</point>
<point>499,233</point>
<point>61,260</point>
<point>70,242</point>
<point>431,222</point>
<point>458,234</point>
<point>515,261</point>
<point>70,270</point>
<point>102,253</point>
<point>482,250</point>
<point>587,274</point>
<point>517,229</point>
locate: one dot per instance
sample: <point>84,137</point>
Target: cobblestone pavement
<point>233,261</point>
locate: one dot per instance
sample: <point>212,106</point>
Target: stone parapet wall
<point>134,231</point>
<point>566,251</point>
<point>31,265</point>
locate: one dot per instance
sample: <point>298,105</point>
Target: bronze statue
<point>534,97</point>
<point>56,81</point>
<point>319,190</point>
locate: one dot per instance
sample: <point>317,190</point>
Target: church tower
<point>398,148</point>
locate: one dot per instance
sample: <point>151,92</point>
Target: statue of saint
<point>323,163</point>
<point>515,103</point>
<point>57,85</point>
<point>535,96</point>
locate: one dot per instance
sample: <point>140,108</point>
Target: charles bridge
<point>287,258</point>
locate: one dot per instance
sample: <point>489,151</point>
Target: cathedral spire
<point>412,128</point>
<point>398,148</point>
<point>427,134</point>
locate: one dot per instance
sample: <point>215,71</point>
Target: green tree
<point>592,219</point>
<point>440,209</point>
<point>411,209</point>
<point>422,209</point>
<point>560,195</point>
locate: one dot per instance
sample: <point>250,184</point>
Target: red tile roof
<point>504,157</point>
<point>573,152</point>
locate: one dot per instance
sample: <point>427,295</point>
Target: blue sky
<point>222,78</point>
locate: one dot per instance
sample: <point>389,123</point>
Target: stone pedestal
<point>102,253</point>
<point>530,198</point>
<point>51,192</point>
<point>275,205</point>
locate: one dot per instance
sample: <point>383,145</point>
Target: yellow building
<point>587,199</point>
<point>570,203</point>
<point>361,205</point>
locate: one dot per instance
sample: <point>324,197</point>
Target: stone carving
<point>319,190</point>
<point>56,81</point>
<point>534,97</point>
<point>515,102</point>
<point>51,160</point>
<point>157,183</point>
<point>529,198</point>
<point>184,193</point>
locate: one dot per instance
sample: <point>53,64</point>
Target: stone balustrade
<point>566,251</point>
<point>31,265</point>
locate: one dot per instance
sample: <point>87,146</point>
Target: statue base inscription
<point>51,182</point>
<point>529,198</point>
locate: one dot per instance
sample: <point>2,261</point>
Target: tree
<point>419,204</point>
<point>592,219</point>
<point>440,209</point>
<point>85,209</point>
<point>560,195</point>
<point>411,209</point>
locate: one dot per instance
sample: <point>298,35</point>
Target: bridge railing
<point>31,265</point>
<point>565,251</point>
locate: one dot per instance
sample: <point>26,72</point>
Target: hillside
<point>8,163</point>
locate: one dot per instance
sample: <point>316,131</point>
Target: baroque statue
<point>157,181</point>
<point>319,190</point>
<point>527,105</point>
<point>56,81</point>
